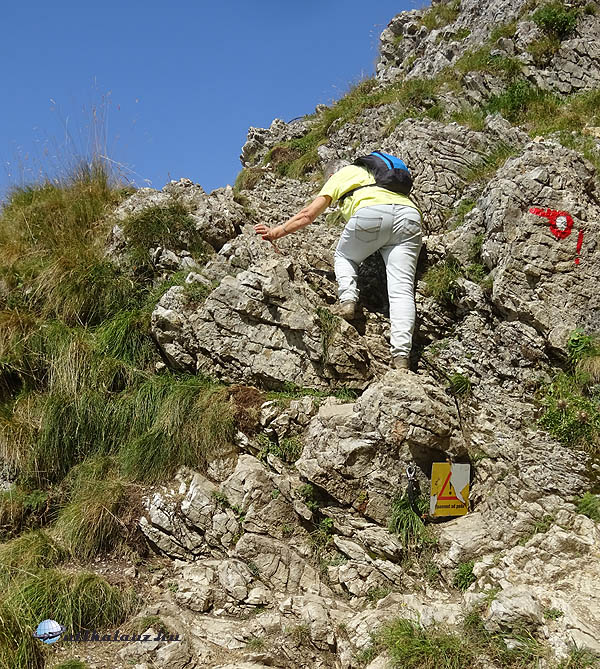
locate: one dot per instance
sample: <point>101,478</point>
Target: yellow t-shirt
<point>352,176</point>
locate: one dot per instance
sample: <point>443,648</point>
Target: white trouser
<point>395,231</point>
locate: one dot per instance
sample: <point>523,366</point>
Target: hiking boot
<point>400,362</point>
<point>345,310</point>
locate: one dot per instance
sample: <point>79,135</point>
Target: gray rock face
<point>300,555</point>
<point>536,279</point>
<point>262,326</point>
<point>409,49</point>
<point>217,217</point>
<point>361,451</point>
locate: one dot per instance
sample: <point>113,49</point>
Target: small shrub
<point>581,345</point>
<point>290,449</point>
<point>571,410</point>
<point>589,505</point>
<point>517,98</point>
<point>308,494</point>
<point>464,576</point>
<point>555,19</point>
<point>553,614</point>
<point>460,385</point>
<point>377,593</point>
<point>71,664</point>
<point>320,537</point>
<point>255,644</point>
<point>300,634</point>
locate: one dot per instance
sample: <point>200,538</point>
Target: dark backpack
<point>390,173</point>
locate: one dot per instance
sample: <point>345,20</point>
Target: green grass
<point>580,658</point>
<point>553,614</point>
<point>589,505</point>
<point>71,664</point>
<point>168,226</point>
<point>78,601</point>
<point>441,15</point>
<point>544,49</point>
<point>490,163</point>
<point>290,391</point>
<point>463,576</point>
<point>504,30</point>
<point>409,646</point>
<point>152,424</point>
<point>191,419</point>
<point>556,19</point>
<point>329,325</point>
<point>482,60</point>
<point>247,179</point>
<point>255,644</point>
<point>458,214</point>
<point>20,509</point>
<point>460,385</point>
<point>52,240</point>
<point>571,410</point>
<point>28,553</point>
<point>410,528</point>
<point>126,337</point>
<point>471,117</point>
<point>100,515</point>
<point>440,281</point>
<point>462,33</point>
<point>288,449</point>
<point>376,593</point>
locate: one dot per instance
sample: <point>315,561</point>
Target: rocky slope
<point>285,561</point>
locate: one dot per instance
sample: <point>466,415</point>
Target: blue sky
<point>174,86</point>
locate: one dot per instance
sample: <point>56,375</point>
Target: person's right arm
<point>303,218</point>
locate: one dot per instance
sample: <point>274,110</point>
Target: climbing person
<point>377,218</point>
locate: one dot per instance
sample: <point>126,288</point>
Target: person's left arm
<point>303,218</point>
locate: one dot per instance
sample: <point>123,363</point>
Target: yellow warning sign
<point>449,489</point>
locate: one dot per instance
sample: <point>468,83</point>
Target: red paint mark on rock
<point>561,222</point>
<point>579,245</point>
